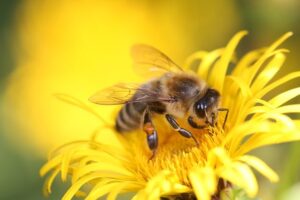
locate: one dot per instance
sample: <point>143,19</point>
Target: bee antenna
<point>226,115</point>
<point>205,114</point>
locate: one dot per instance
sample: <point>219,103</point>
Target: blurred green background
<point>66,46</point>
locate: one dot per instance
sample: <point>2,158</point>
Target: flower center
<point>175,152</point>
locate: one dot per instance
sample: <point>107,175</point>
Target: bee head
<point>207,107</point>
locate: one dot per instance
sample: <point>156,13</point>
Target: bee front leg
<point>182,131</point>
<point>194,124</point>
<point>152,137</point>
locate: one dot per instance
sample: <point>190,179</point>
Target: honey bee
<point>174,94</point>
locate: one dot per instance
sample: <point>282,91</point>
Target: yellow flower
<point>257,117</point>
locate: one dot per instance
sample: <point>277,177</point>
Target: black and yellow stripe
<point>130,117</point>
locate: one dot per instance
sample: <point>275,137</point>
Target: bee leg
<point>152,137</point>
<point>182,131</point>
<point>226,115</point>
<point>194,124</point>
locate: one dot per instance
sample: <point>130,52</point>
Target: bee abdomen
<point>130,117</point>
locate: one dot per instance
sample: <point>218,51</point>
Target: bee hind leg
<point>181,131</point>
<point>152,137</point>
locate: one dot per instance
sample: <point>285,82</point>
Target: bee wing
<point>123,93</point>
<point>150,61</point>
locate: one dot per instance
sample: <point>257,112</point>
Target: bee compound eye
<point>200,109</point>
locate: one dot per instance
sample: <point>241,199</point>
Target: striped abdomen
<point>130,116</point>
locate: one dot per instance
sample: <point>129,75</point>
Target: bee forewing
<point>146,71</point>
<point>123,93</point>
<point>149,61</point>
<point>116,94</point>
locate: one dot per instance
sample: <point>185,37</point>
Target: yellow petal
<point>263,139</point>
<point>65,162</point>
<point>277,83</point>
<point>252,71</point>
<point>268,72</point>
<point>206,64</point>
<point>122,187</point>
<point>195,57</point>
<point>240,175</point>
<point>218,155</point>
<point>163,183</point>
<point>102,189</point>
<point>221,67</point>
<point>199,187</point>
<point>244,88</point>
<point>107,173</point>
<point>260,166</point>
<point>204,182</point>
<point>237,133</point>
<point>77,185</point>
<point>49,182</point>
<point>51,164</point>
<point>233,86</point>
<point>281,121</point>
<point>294,108</point>
<point>246,61</point>
<point>285,97</point>
<point>279,41</point>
